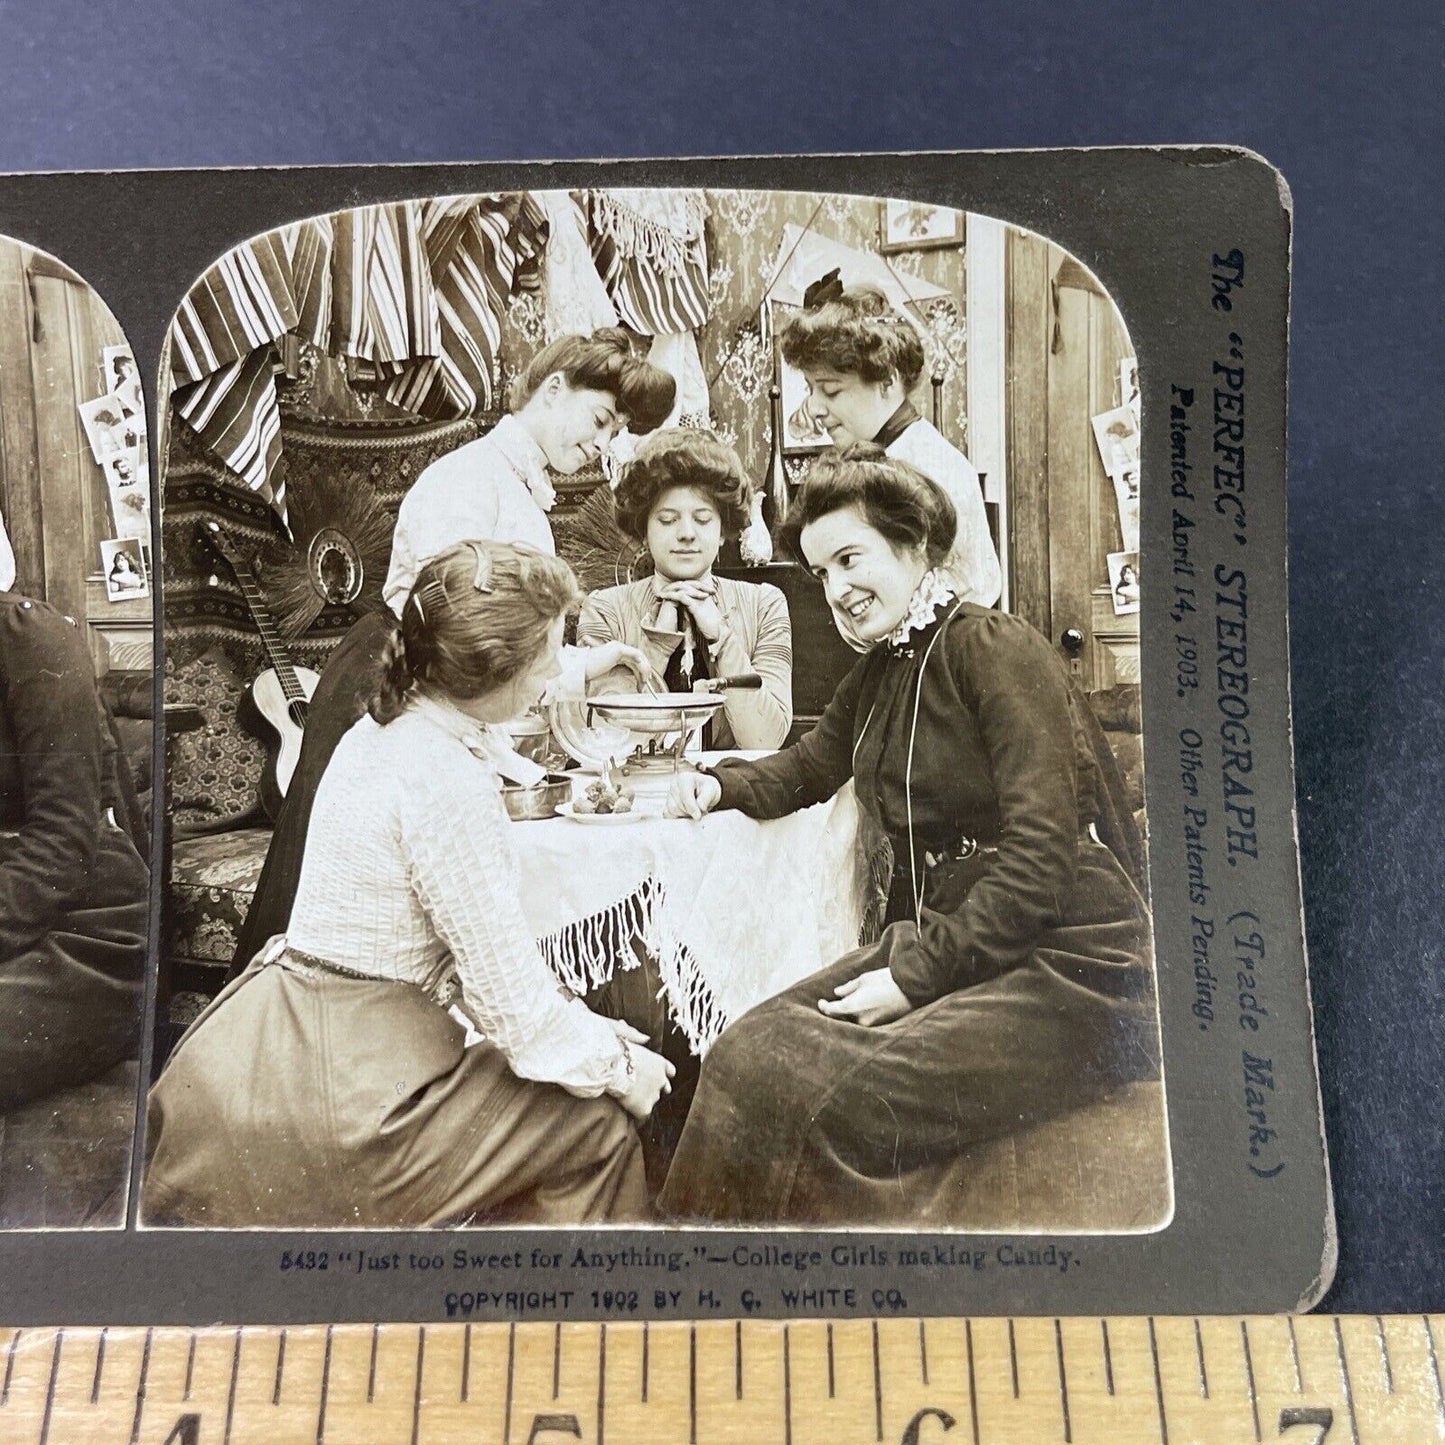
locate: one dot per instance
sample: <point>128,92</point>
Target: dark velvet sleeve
<point>1007,675</point>
<point>50,697</point>
<point>808,772</point>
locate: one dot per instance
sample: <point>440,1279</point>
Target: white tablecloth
<point>733,910</point>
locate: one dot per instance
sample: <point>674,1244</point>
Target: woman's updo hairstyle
<point>479,614</point>
<point>609,361</point>
<point>856,333</point>
<point>682,457</point>
<point>895,499</point>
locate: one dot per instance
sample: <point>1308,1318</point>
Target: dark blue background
<point>1345,99</point>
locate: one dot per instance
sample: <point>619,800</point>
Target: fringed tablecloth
<point>733,910</point>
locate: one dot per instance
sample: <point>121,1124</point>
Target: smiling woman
<point>1014,978</point>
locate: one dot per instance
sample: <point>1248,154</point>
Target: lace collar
<point>933,593</point>
<point>491,744</point>
<point>520,450</point>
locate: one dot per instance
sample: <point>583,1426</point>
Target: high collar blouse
<point>493,489</point>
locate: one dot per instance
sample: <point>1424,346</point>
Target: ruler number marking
<point>1306,1417</point>
<point>553,1425</point>
<point>912,1434</point>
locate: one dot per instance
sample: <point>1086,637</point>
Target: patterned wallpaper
<point>744,231</point>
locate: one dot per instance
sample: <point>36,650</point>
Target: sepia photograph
<point>76,736</point>
<point>638,750</point>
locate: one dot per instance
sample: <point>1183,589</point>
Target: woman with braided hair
<point>403,1056</point>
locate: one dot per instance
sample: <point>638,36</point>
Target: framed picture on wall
<point>913,226</point>
<point>802,436</point>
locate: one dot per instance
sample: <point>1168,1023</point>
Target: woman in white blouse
<point>568,403</point>
<point>333,1083</point>
<point>862,360</point>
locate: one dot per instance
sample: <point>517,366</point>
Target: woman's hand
<point>701,600</point>
<point>651,1079</point>
<point>600,660</point>
<point>692,795</point>
<point>871,998</point>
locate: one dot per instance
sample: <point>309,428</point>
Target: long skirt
<point>312,1099</point>
<point>348,683</point>
<point>70,1004</point>
<point>803,1117</point>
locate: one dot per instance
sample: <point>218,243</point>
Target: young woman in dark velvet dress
<point>1013,980</point>
<point>74,892</point>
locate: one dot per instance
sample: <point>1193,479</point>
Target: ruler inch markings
<point>82,1383</point>
<point>325,1390</point>
<point>1249,1374</point>
<point>1063,1381</point>
<point>99,1366</point>
<point>1345,1377</point>
<point>140,1388</point>
<point>1435,1369</point>
<point>1158,1384</point>
<point>1385,1356</point>
<point>416,1397</point>
<point>50,1388</point>
<point>972,1379</point>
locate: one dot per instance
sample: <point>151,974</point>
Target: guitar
<point>281,694</point>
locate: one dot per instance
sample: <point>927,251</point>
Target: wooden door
<point>1065,342</point>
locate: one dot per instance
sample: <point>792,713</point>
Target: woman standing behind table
<point>332,1084</point>
<point>680,496</point>
<point>573,397</point>
<point>862,360</point>
<point>74,894</point>
<point>1014,976</point>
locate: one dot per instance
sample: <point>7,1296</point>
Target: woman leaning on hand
<point>681,496</point>
<point>1014,977</point>
<point>333,1082</point>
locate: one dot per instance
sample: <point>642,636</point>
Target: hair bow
<point>825,289</point>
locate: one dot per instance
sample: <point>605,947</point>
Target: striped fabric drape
<point>649,249</point>
<point>410,294</point>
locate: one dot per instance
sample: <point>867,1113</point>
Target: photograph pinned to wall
<point>121,378</point>
<point>123,562</point>
<point>109,430</point>
<point>1124,581</point>
<point>914,226</point>
<point>1117,435</point>
<point>803,434</point>
<point>127,479</point>
<point>1129,385</point>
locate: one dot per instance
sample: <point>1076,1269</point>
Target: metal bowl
<point>655,713</point>
<point>527,805</point>
<point>530,736</point>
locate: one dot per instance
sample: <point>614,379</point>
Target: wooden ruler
<point>1302,1380</point>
